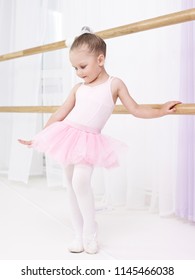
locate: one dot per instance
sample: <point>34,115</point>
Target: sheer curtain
<point>55,78</point>
<point>185,195</point>
<point>6,23</point>
<point>27,30</point>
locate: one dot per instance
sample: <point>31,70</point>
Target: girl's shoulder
<point>75,88</point>
<point>117,83</point>
<point>117,86</point>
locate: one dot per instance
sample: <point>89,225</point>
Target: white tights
<point>80,199</point>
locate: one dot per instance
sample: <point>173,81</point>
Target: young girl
<point>72,135</point>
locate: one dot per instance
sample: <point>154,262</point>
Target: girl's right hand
<point>28,143</point>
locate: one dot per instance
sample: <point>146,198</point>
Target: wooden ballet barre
<point>181,109</point>
<point>157,22</point>
<point>148,24</point>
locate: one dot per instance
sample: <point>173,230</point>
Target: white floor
<point>34,225</point>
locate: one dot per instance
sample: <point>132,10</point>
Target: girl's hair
<point>93,42</point>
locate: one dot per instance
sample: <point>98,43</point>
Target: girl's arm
<point>64,109</point>
<point>60,114</point>
<point>138,110</point>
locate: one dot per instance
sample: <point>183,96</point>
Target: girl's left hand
<point>169,107</point>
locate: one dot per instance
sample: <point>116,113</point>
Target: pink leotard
<point>94,105</point>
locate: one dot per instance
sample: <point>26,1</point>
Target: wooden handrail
<point>157,22</point>
<point>181,109</point>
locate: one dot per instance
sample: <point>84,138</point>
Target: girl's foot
<point>90,244</point>
<point>76,246</point>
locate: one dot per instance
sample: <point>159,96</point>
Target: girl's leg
<point>82,187</point>
<point>74,212</point>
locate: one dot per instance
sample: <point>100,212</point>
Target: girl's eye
<point>82,67</point>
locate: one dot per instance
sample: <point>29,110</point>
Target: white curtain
<point>5,81</point>
<point>148,62</point>
<point>29,31</point>
<point>185,194</point>
<point>56,79</point>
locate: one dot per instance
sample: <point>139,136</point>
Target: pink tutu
<point>70,143</point>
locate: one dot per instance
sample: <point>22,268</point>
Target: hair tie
<point>86,29</point>
<point>70,40</point>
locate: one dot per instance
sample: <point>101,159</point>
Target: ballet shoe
<point>76,246</point>
<point>90,244</point>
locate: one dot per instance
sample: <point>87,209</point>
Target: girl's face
<point>88,65</point>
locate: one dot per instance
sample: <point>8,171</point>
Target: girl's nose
<point>79,72</point>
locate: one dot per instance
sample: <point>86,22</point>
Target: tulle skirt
<point>70,143</point>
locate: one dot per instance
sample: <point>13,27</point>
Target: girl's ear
<point>101,59</point>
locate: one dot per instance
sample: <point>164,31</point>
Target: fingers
<point>25,142</point>
<point>172,105</point>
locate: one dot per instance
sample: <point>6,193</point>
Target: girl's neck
<point>101,78</point>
